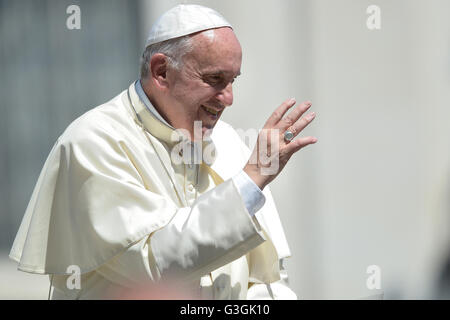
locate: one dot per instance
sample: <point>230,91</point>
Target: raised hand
<point>275,144</point>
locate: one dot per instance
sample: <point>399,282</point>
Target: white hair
<point>173,49</point>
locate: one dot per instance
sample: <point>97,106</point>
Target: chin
<point>207,130</point>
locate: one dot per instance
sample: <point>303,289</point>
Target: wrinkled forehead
<point>216,49</point>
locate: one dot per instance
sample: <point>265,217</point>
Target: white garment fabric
<point>251,194</point>
<point>249,191</point>
<point>110,201</point>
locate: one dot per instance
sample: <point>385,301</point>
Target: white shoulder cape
<point>103,188</point>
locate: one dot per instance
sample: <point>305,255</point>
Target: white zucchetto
<point>185,19</point>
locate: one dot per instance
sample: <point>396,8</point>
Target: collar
<point>143,97</point>
<point>154,124</point>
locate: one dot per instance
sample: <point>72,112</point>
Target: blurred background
<point>374,190</point>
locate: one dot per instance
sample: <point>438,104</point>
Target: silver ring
<point>288,135</point>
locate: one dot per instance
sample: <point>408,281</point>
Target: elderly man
<point>151,189</point>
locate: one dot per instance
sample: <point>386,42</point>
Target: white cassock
<point>111,202</point>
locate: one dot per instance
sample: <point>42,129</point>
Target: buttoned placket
<point>188,173</point>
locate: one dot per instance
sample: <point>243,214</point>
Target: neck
<point>146,86</point>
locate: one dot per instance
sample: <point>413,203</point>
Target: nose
<point>225,96</point>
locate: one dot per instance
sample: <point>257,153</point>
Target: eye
<point>213,80</point>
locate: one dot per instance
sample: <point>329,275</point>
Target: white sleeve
<point>215,231</point>
<point>251,194</point>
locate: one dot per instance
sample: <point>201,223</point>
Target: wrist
<point>253,174</point>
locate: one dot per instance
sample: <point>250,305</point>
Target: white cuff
<point>252,196</point>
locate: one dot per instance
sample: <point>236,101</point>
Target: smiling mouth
<point>210,110</point>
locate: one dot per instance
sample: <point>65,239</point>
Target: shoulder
<point>105,133</point>
<point>232,152</point>
<point>224,131</point>
<point>107,121</point>
<point>225,134</point>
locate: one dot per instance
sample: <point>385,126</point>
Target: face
<point>202,88</point>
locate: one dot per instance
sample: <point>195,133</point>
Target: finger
<point>299,143</point>
<point>294,115</point>
<point>279,112</point>
<point>301,123</point>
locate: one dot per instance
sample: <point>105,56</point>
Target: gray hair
<point>174,49</point>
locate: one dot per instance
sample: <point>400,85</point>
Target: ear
<point>158,67</point>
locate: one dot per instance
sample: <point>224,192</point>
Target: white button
<point>190,187</point>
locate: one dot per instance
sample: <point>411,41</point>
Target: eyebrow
<point>219,72</point>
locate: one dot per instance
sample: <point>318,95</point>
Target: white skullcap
<point>185,19</point>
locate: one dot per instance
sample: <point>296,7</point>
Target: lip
<point>218,111</point>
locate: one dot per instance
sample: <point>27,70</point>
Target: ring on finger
<point>289,135</point>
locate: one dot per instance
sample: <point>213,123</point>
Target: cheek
<point>191,93</point>
<point>195,96</point>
